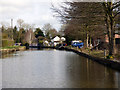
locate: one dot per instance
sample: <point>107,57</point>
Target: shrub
<point>4,36</point>
<point>27,45</point>
<point>110,57</point>
<point>6,43</point>
<point>10,42</point>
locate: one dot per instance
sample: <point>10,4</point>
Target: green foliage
<point>110,57</point>
<point>21,36</point>
<point>15,35</point>
<point>10,42</point>
<point>41,41</point>
<point>12,47</point>
<point>27,45</point>
<point>38,33</point>
<point>6,43</point>
<point>4,36</point>
<point>3,29</point>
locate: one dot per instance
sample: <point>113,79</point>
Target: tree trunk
<point>114,46</point>
<point>111,47</point>
<point>110,15</point>
<point>87,38</point>
<point>90,42</point>
<point>112,37</point>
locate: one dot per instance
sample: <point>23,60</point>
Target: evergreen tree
<point>38,32</point>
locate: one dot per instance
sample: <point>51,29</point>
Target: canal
<point>55,69</point>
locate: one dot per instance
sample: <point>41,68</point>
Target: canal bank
<point>8,50</point>
<point>107,62</point>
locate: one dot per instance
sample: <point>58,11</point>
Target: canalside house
<point>117,40</point>
<point>103,38</point>
<point>117,37</point>
<point>57,40</point>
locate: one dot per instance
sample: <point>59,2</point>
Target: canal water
<point>55,69</point>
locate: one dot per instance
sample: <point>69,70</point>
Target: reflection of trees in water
<point>91,74</point>
<point>119,80</point>
<point>65,69</point>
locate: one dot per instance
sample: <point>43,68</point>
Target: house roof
<point>56,38</point>
<point>63,39</point>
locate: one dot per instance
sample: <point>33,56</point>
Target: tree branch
<point>116,14</point>
<point>116,5</point>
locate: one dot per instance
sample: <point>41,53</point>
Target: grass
<point>117,56</point>
<point>10,47</point>
<point>95,53</point>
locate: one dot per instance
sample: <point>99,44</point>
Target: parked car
<point>78,44</point>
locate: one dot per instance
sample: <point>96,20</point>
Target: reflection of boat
<point>15,54</point>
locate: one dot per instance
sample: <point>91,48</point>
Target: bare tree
<point>5,24</point>
<point>82,15</point>
<point>111,11</point>
<point>26,26</point>
<point>20,23</point>
<point>46,28</point>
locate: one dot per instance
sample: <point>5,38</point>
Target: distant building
<point>105,40</point>
<point>46,43</point>
<point>57,40</point>
<point>117,39</point>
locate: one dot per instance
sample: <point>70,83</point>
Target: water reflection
<point>0,73</point>
<point>56,69</point>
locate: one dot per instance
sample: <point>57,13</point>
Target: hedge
<point>6,43</point>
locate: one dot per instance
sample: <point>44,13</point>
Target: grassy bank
<point>11,47</point>
<point>96,53</point>
<point>6,50</point>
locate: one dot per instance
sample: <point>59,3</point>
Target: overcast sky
<point>36,12</point>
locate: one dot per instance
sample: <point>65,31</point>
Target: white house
<point>46,43</point>
<point>57,40</point>
<point>63,39</point>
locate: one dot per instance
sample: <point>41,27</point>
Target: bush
<point>27,45</point>
<point>6,43</point>
<point>4,36</point>
<point>41,41</point>
<point>10,42</point>
<point>110,57</point>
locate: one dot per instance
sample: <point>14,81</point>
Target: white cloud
<point>32,11</point>
<point>8,9</point>
<point>14,2</point>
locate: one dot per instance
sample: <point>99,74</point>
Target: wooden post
<point>77,48</point>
